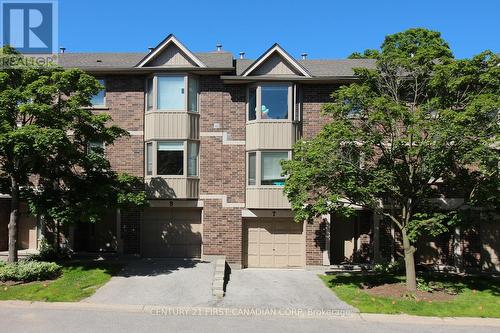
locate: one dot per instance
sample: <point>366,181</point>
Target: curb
<point>219,275</point>
<point>235,312</point>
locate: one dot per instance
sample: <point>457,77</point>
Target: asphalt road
<point>29,319</point>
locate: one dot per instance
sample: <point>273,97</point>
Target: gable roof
<point>171,39</point>
<point>276,49</point>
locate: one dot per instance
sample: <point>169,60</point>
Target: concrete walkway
<point>280,289</point>
<point>159,282</point>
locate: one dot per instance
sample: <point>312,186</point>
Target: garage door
<point>171,233</point>
<point>274,243</point>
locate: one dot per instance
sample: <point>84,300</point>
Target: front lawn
<point>475,296</point>
<point>78,281</point>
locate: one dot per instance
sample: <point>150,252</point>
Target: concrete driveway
<point>159,282</point>
<point>280,289</point>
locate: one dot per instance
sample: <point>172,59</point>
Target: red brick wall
<point>315,241</point>
<point>222,166</point>
<point>125,103</point>
<point>313,98</point>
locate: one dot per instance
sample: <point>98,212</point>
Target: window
<point>270,101</point>
<point>252,103</point>
<point>149,98</point>
<point>96,147</point>
<point>193,159</point>
<point>99,98</point>
<point>193,87</point>
<point>149,158</point>
<point>170,93</point>
<point>170,158</point>
<point>274,102</point>
<point>271,168</point>
<point>252,169</point>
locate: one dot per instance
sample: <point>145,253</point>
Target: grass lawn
<point>477,296</point>
<point>78,281</point>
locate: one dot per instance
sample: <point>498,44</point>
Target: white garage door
<point>274,243</point>
<point>171,233</point>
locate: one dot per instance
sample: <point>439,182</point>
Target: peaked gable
<point>276,61</point>
<point>171,52</point>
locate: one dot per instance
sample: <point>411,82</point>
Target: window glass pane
<point>98,100</point>
<point>193,85</point>
<point>192,159</point>
<point>150,94</point>
<point>170,93</point>
<point>95,147</point>
<point>170,158</point>
<point>252,169</point>
<point>252,103</point>
<point>149,159</point>
<point>271,168</point>
<point>274,102</point>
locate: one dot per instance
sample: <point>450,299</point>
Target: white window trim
<point>258,102</point>
<point>103,105</point>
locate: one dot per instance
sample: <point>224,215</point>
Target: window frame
<point>186,107</point>
<point>258,101</point>
<point>258,166</point>
<point>154,159</point>
<point>103,105</point>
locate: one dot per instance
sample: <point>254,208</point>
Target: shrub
<point>393,267</point>
<point>28,270</point>
<point>47,252</point>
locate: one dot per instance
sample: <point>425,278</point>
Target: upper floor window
<point>172,93</point>
<point>264,167</point>
<point>172,158</point>
<point>270,102</point>
<point>100,98</point>
<point>96,147</point>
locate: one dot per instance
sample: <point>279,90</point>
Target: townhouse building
<point>207,134</point>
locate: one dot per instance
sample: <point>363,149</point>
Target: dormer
<point>276,62</point>
<point>171,53</point>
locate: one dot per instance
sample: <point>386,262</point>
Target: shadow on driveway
<point>159,282</point>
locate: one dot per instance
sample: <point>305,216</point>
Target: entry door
<point>275,243</point>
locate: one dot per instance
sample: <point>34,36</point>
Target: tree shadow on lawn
<point>456,282</point>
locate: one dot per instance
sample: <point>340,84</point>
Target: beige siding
<point>171,125</point>
<point>172,187</point>
<point>172,56</point>
<point>275,65</point>
<point>270,135</point>
<point>266,197</point>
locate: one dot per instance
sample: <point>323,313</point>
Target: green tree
<point>45,131</point>
<point>417,124</point>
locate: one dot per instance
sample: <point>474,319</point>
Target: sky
<point>323,29</point>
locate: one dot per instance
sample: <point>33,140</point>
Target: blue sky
<point>323,29</point>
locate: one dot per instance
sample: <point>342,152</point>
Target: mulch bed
<point>398,290</point>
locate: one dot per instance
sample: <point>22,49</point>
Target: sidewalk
<point>241,312</point>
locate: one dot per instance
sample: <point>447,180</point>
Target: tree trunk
<point>411,276</point>
<point>13,221</point>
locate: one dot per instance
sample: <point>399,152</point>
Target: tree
<point>45,130</point>
<point>405,132</point>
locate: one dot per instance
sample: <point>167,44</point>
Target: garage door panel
<point>175,233</point>
<point>274,243</point>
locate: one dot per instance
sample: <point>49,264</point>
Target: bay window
<point>193,152</point>
<point>172,93</point>
<point>269,170</point>
<point>270,101</point>
<point>170,158</point>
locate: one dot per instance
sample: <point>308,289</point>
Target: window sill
<point>171,177</point>
<point>171,111</point>
<point>97,108</point>
<point>284,121</point>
